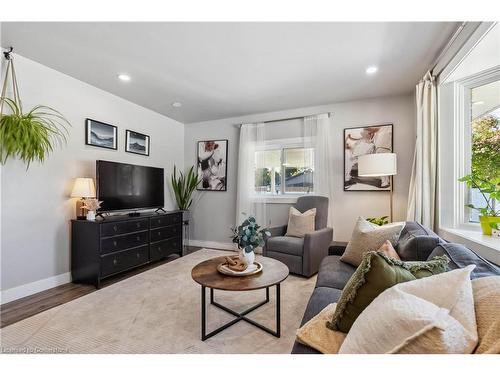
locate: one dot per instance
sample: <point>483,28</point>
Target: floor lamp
<point>378,165</point>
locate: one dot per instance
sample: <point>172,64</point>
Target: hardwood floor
<point>23,308</point>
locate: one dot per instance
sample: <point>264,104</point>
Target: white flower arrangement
<point>92,204</point>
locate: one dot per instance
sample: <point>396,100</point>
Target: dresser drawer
<point>164,220</point>
<point>122,260</point>
<point>113,229</point>
<point>159,234</point>
<point>163,249</point>
<point>126,241</point>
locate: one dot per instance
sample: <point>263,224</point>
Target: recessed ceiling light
<point>480,102</point>
<point>176,104</point>
<point>371,70</point>
<point>124,77</point>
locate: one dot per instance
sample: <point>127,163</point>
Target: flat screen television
<point>129,187</point>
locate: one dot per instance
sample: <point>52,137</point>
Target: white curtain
<point>422,193</point>
<point>252,138</point>
<point>318,130</point>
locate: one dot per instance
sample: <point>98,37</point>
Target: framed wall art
<point>100,134</point>
<point>212,165</point>
<point>361,141</point>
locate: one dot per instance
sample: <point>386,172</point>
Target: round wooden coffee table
<point>206,274</point>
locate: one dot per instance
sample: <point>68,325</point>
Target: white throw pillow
<point>299,224</point>
<point>367,236</point>
<point>432,315</point>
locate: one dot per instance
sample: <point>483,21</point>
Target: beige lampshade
<point>374,165</point>
<point>83,188</point>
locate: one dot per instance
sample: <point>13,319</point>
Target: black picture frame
<point>224,143</point>
<point>348,184</point>
<point>93,141</point>
<point>147,140</point>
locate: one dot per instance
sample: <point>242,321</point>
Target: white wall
<point>35,204</point>
<point>214,212</point>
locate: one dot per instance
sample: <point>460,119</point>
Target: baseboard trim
<point>25,290</point>
<point>214,245</point>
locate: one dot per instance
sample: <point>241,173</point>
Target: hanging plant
<point>29,136</point>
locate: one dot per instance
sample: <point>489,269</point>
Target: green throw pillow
<point>375,274</point>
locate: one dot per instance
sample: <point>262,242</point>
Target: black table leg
<point>278,310</point>
<point>239,316</point>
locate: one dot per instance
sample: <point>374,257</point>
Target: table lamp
<point>378,165</point>
<point>83,188</point>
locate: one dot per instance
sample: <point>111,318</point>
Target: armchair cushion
<point>300,223</point>
<point>285,244</point>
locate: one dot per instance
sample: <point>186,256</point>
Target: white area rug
<point>159,311</point>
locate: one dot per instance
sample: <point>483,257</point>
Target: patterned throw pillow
<point>369,237</point>
<point>375,274</point>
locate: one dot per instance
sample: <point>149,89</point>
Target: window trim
<point>463,153</point>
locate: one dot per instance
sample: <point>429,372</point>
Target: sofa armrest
<point>316,245</point>
<point>275,232</point>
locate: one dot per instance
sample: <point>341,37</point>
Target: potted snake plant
<point>183,185</point>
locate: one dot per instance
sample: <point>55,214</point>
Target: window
<point>484,135</point>
<point>284,169</point>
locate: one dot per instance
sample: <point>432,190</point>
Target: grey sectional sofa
<point>415,243</point>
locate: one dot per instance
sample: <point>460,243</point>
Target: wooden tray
<point>222,268</point>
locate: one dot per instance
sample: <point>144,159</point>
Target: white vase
<point>91,215</point>
<point>248,258</point>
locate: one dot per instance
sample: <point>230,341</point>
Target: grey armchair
<point>302,255</point>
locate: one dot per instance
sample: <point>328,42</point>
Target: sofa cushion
<point>287,245</point>
<point>320,298</point>
<point>366,237</point>
<point>416,242</point>
<point>433,315</point>
<point>461,256</point>
<point>375,274</point>
<point>334,273</point>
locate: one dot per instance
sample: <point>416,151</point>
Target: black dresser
<point>115,244</point>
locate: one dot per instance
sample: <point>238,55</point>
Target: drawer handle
<point>115,243</point>
<point>159,233</point>
<point>138,225</point>
<point>159,221</point>
<point>115,228</point>
<point>138,238</point>
<point>115,262</point>
<point>138,255</point>
<point>159,248</point>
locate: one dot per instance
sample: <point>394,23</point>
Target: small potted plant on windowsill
<point>490,190</point>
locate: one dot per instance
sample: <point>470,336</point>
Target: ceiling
<point>220,70</point>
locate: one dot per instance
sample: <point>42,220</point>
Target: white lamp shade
<point>374,165</point>
<point>83,188</point>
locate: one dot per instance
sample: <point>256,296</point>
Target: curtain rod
<point>289,118</point>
